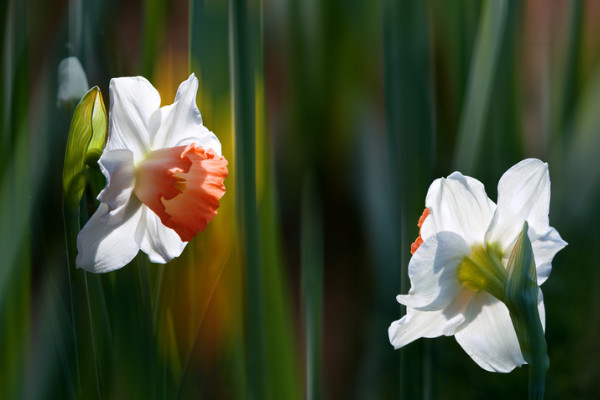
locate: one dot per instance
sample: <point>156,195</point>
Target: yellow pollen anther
<point>180,184</point>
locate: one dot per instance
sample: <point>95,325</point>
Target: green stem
<point>537,382</point>
<point>157,296</point>
<point>146,307</point>
<point>92,334</point>
<point>71,219</point>
<point>72,228</point>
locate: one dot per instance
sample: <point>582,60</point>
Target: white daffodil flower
<point>458,267</point>
<point>164,178</point>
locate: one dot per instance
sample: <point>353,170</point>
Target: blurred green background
<point>335,117</point>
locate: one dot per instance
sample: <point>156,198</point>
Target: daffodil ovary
<point>483,270</point>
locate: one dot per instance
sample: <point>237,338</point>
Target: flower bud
<point>84,145</point>
<point>521,297</point>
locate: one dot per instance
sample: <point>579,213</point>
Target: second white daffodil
<point>164,177</point>
<point>458,269</point>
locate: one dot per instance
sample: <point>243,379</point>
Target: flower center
<point>419,240</point>
<point>483,270</point>
<point>182,185</point>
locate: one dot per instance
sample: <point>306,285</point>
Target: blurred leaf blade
<point>15,206</point>
<point>155,13</point>
<point>410,137</point>
<point>482,72</point>
<point>312,286</point>
<point>282,360</point>
<point>243,71</point>
<point>582,172</point>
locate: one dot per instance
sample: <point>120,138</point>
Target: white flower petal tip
<point>457,204</point>
<point>180,124</point>
<point>488,336</point>
<point>164,172</point>
<point>458,270</point>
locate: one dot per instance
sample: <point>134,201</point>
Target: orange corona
<point>182,185</point>
<point>419,240</point>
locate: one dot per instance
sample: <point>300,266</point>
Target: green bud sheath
<point>521,297</point>
<point>84,145</point>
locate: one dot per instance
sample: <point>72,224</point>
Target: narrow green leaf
<point>283,378</point>
<point>410,128</point>
<point>581,172</point>
<point>482,72</point>
<point>568,92</point>
<point>16,282</point>
<point>244,69</point>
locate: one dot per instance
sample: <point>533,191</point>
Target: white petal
<point>417,324</point>
<point>117,166</point>
<point>458,204</point>
<point>180,124</point>
<point>133,100</point>
<point>104,247</point>
<point>542,309</point>
<point>544,248</point>
<point>432,272</point>
<point>523,195</point>
<point>161,243</point>
<point>488,335</point>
